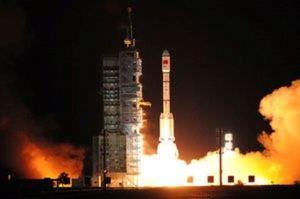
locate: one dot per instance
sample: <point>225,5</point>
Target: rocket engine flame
<point>277,164</point>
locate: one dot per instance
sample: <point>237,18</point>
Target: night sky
<point>225,56</point>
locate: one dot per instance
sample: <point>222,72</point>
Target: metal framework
<point>118,149</point>
<point>131,114</point>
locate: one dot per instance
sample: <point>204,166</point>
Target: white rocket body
<point>166,148</point>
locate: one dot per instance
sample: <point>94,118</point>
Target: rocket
<point>166,147</point>
<point>166,117</point>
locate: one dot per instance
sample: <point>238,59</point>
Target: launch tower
<point>123,118</point>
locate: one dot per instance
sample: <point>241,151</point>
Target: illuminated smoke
<point>42,159</point>
<point>277,164</point>
<point>26,146</point>
<point>282,109</point>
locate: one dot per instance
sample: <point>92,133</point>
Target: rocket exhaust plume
<point>277,164</point>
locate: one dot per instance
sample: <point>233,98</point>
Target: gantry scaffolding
<point>120,152</point>
<point>122,121</point>
<point>131,113</point>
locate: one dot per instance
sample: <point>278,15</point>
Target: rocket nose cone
<point>166,53</point>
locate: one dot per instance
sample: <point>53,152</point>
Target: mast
<point>129,41</point>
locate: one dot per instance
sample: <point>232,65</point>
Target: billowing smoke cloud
<point>44,159</point>
<point>28,151</point>
<point>282,108</point>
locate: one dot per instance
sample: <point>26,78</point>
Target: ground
<point>234,192</point>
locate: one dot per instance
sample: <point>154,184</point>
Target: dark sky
<point>225,55</point>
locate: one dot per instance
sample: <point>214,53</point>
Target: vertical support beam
<point>220,131</point>
<point>104,160</point>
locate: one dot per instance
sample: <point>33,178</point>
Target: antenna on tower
<point>129,41</point>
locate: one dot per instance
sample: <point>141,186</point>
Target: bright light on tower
<point>228,144</point>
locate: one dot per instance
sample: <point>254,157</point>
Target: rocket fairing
<point>166,147</point>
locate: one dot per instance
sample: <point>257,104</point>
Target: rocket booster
<point>166,117</point>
